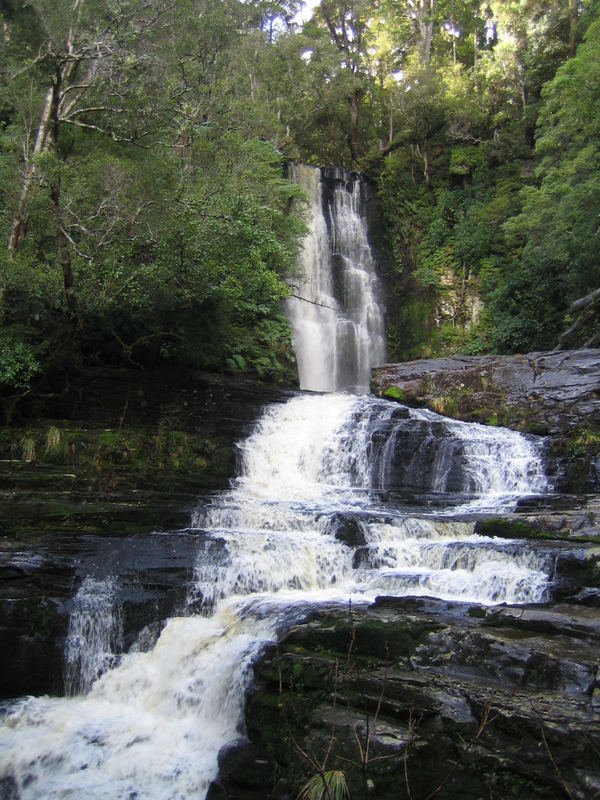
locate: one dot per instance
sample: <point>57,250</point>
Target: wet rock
<point>240,765</point>
<point>555,393</point>
<point>151,575</point>
<point>135,450</point>
<point>216,791</point>
<point>9,789</point>
<point>555,390</point>
<point>456,699</point>
<point>347,529</point>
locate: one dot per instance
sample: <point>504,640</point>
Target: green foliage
<point>52,439</point>
<point>465,160</point>
<point>146,208</point>
<point>394,393</point>
<point>586,442</point>
<point>28,449</point>
<point>554,241</point>
<point>18,364</point>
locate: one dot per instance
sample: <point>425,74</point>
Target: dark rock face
<point>453,699</point>
<point>415,455</point>
<point>543,392</point>
<point>185,400</point>
<point>555,394</point>
<point>152,575</point>
<point>242,769</point>
<point>347,529</point>
<point>136,450</point>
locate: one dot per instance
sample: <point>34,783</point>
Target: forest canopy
<point>146,217</point>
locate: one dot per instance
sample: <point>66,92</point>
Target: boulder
<point>420,697</point>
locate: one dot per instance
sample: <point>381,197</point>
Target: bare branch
<point>586,301</point>
<point>111,134</point>
<point>89,110</point>
<point>74,245</point>
<point>312,302</point>
<point>555,765</point>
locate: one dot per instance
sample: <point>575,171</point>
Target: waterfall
<point>94,634</point>
<point>335,310</point>
<point>405,483</point>
<point>269,549</point>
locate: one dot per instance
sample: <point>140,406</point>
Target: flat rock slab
<point>543,392</point>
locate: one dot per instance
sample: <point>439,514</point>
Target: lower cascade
<point>94,634</point>
<point>340,498</point>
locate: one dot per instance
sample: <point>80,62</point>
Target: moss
<point>517,529</point>
<point>394,393</point>
<point>374,640</point>
<point>96,453</point>
<point>108,438</point>
<point>511,529</point>
<point>75,467</point>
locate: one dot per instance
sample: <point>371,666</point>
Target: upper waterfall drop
<point>336,308</point>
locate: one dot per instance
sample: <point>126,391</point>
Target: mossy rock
<point>371,638</point>
<point>394,393</point>
<point>510,529</point>
<point>518,529</point>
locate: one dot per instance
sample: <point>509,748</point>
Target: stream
<point>339,497</point>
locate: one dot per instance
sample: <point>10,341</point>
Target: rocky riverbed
<point>420,698</point>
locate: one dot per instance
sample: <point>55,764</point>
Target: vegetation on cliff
<point>146,219</point>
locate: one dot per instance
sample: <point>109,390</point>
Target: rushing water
<point>152,724</point>
<point>340,497</point>
<point>335,311</point>
<point>94,634</point>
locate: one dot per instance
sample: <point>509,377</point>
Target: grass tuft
<point>331,785</point>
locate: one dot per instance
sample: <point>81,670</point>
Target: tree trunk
<point>425,19</point>
<point>588,308</point>
<point>353,136</point>
<point>426,42</point>
<point>42,139</point>
<point>421,151</point>
<point>475,34</point>
<point>64,255</point>
<point>573,19</point>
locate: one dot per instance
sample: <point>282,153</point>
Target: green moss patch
<point>518,529</point>
<point>394,393</point>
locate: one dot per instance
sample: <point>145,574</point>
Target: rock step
<point>462,700</point>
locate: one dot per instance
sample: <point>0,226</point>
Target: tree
<point>88,73</point>
<point>136,204</point>
<point>555,239</point>
<point>347,24</point>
